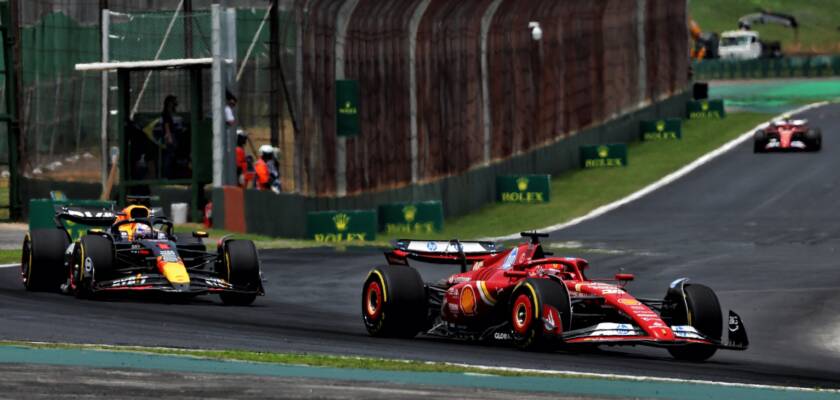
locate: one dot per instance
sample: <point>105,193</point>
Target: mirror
<point>622,277</point>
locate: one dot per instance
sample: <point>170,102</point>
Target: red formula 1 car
<point>787,134</point>
<point>524,296</point>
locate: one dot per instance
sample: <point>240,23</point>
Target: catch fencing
<point>445,86</point>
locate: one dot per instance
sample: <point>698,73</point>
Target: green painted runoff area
<point>774,96</point>
<point>565,385</point>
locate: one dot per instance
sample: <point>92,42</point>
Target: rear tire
<point>241,267</point>
<point>93,255</point>
<point>528,308</point>
<point>394,302</point>
<point>42,259</point>
<point>703,314</point>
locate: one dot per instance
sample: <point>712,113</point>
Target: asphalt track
<point>762,230</point>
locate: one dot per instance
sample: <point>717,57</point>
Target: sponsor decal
<point>432,246</point>
<point>88,264</point>
<point>169,256</point>
<point>734,323</point>
<point>501,336</point>
<point>629,301</point>
<point>485,294</point>
<point>467,300</point>
<point>409,212</point>
<point>341,221</point>
<point>458,279</point>
<point>137,280</point>
<point>511,258</point>
<point>523,189</point>
<point>348,109</point>
<point>661,131</point>
<point>340,237</point>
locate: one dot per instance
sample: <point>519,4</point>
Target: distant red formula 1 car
<point>787,134</point>
<point>524,296</point>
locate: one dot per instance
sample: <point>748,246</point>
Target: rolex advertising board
<point>663,129</point>
<point>523,188</point>
<point>603,156</point>
<point>423,217</point>
<point>705,109</point>
<point>347,107</point>
<point>341,226</point>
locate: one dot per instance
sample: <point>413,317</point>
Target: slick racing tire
<point>814,139</point>
<point>241,267</point>
<point>93,255</point>
<point>533,306</point>
<point>703,313</point>
<point>759,141</point>
<point>394,302</point>
<point>42,259</point>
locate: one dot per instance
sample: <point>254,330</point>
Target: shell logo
<point>468,300</point>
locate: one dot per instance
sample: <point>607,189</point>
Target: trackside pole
<point>103,128</point>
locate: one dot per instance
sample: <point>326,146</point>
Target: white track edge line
<point>10,265</point>
<point>641,378</point>
<point>667,179</point>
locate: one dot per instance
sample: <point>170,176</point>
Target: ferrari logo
<point>409,212</point>
<point>522,184</point>
<point>603,151</point>
<point>341,221</point>
<point>660,126</point>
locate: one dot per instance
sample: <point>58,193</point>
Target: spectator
<point>244,162</point>
<point>170,135</point>
<point>268,175</point>
<point>230,117</point>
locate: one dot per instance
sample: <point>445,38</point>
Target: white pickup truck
<point>746,45</point>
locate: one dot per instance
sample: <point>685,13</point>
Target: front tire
<point>531,302</point>
<point>240,267</point>
<point>702,311</point>
<point>394,302</point>
<point>759,141</point>
<point>42,259</point>
<point>814,137</point>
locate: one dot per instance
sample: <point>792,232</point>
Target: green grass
<point>316,360</point>
<point>818,21</point>
<point>577,192</point>
<point>9,256</point>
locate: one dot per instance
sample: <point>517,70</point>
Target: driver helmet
<point>143,231</point>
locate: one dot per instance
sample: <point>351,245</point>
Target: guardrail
<point>786,67</point>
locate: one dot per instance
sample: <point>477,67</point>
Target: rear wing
<point>90,216</point>
<point>441,251</point>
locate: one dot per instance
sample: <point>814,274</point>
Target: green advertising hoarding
<point>523,188</point>
<point>705,109</point>
<point>423,217</point>
<point>347,108</point>
<point>341,226</point>
<point>603,156</point>
<point>663,129</point>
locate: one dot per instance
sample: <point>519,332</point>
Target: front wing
<point>200,283</point>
